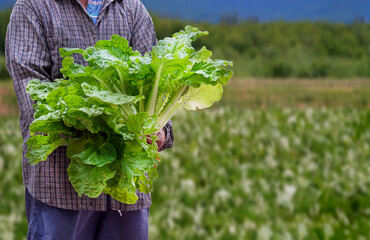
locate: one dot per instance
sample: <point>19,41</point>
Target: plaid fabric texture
<point>37,29</point>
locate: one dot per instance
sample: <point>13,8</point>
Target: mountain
<point>263,10</point>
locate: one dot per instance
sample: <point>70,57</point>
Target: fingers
<point>162,137</point>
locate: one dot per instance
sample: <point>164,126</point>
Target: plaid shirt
<point>37,29</point>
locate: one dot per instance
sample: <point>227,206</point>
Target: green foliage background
<point>282,49</point>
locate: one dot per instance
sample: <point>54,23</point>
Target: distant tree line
<point>285,49</point>
<point>276,49</point>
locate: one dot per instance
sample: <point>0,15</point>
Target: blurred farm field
<point>265,174</point>
<point>13,223</point>
<point>298,93</point>
<point>276,159</point>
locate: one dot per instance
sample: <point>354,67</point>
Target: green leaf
<point>118,47</point>
<point>142,123</point>
<point>39,90</point>
<point>98,152</point>
<point>54,98</point>
<point>50,123</point>
<point>202,97</point>
<point>40,147</point>
<point>202,55</point>
<point>87,117</point>
<point>126,180</point>
<point>121,194</point>
<point>64,52</point>
<point>72,70</point>
<point>209,73</point>
<point>114,121</point>
<point>90,180</point>
<point>146,182</point>
<point>78,143</point>
<point>47,127</point>
<point>180,43</point>
<point>108,96</point>
<point>42,109</point>
<point>75,101</point>
<point>137,160</point>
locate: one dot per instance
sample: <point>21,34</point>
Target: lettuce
<point>105,111</point>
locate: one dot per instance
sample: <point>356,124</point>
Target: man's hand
<point>162,137</point>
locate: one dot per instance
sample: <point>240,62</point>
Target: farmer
<point>37,29</point>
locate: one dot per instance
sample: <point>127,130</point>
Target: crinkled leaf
<point>98,152</point>
<point>39,90</point>
<point>202,97</point>
<point>108,96</point>
<point>78,143</point>
<point>114,121</point>
<point>137,159</point>
<point>118,193</point>
<point>54,97</point>
<point>90,180</point>
<point>42,109</point>
<point>142,123</point>
<point>146,182</point>
<point>87,117</point>
<point>180,43</point>
<point>202,55</point>
<point>75,101</point>
<point>208,73</point>
<point>64,52</point>
<point>118,47</point>
<point>49,123</point>
<point>72,70</point>
<point>49,127</point>
<point>126,180</point>
<point>40,147</point>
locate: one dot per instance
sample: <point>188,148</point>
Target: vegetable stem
<point>116,88</point>
<point>141,102</point>
<point>103,84</point>
<point>154,92</point>
<point>126,110</point>
<point>171,108</point>
<point>124,115</point>
<point>121,81</point>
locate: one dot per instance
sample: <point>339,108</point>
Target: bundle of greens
<point>105,111</point>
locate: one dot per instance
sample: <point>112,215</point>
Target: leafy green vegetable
<point>104,112</point>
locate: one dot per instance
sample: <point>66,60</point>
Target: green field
<point>276,159</point>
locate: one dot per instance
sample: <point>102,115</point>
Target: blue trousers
<point>50,223</point>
